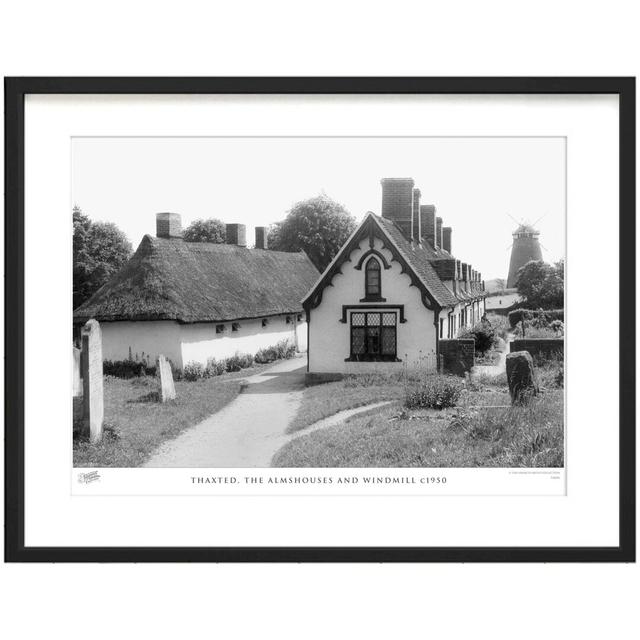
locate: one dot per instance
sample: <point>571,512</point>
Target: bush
<point>284,349</point>
<point>214,368</point>
<point>435,392</point>
<point>539,333</point>
<point>268,354</point>
<point>193,371</point>
<point>541,318</point>
<point>128,368</point>
<point>238,361</point>
<point>483,334</point>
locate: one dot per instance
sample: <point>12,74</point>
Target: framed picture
<point>320,319</point>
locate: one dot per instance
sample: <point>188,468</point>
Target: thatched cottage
<point>393,293</point>
<point>191,301</point>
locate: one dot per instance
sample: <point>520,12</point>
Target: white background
<point>587,516</point>
<point>328,38</point>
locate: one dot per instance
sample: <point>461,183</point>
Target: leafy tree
<point>211,230</point>
<point>542,284</point>
<point>319,226</point>
<point>99,250</point>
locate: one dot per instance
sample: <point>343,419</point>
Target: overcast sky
<point>475,183</point>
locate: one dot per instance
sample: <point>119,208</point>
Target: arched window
<point>372,279</point>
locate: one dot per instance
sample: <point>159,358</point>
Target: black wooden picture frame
<point>15,91</point>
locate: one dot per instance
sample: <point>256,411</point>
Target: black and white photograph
<point>318,302</point>
<point>364,315</point>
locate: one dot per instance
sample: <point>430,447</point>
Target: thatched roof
<point>169,279</point>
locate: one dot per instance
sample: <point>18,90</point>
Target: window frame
<point>376,296</point>
<point>374,357</point>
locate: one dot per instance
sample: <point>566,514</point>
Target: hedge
<point>528,314</point>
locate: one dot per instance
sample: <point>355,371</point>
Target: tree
<point>319,226</point>
<point>542,284</point>
<point>99,250</point>
<point>211,230</point>
<point>501,284</point>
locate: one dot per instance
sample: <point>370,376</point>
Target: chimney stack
<point>237,234</point>
<point>417,226</point>
<point>168,225</point>
<point>397,203</point>
<point>261,237</point>
<point>446,238</point>
<point>439,233</point>
<point>428,223</point>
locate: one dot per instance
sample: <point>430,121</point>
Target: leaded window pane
<point>373,340</point>
<point>389,319</point>
<point>373,319</point>
<point>357,341</point>
<point>388,341</point>
<point>357,319</point>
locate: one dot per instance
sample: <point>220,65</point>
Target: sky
<point>480,186</point>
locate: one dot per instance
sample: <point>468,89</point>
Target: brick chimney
<point>446,238</point>
<point>465,272</point>
<point>397,203</point>
<point>439,233</point>
<point>428,223</point>
<point>168,225</point>
<point>261,237</point>
<point>417,226</point>
<point>237,234</point>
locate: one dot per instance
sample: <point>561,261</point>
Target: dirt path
<point>248,431</point>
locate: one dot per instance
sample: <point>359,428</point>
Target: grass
<point>136,423</point>
<point>325,400</point>
<point>483,430</point>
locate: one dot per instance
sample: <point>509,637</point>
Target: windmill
<point>525,247</point>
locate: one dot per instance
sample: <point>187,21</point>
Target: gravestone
<point>521,377</point>
<point>167,388</point>
<point>92,390</point>
<point>77,379</point>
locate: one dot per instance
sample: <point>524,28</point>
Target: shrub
<point>283,349</point>
<point>246,360</point>
<point>435,392</point>
<point>214,368</point>
<point>483,334</point>
<point>268,354</point>
<point>232,363</point>
<point>238,361</point>
<point>128,368</point>
<point>532,332</point>
<point>542,318</point>
<point>193,371</point>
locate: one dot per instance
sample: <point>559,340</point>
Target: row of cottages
<point>192,300</point>
<point>392,292</point>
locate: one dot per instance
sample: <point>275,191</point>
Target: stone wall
<point>540,347</point>
<point>457,356</point>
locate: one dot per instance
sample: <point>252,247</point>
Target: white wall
<point>183,343</point>
<point>150,338</point>
<point>200,341</point>
<point>329,339</point>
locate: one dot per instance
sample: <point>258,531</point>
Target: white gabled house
<point>392,292</point>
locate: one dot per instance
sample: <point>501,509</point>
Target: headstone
<point>167,388</point>
<point>521,377</point>
<point>77,380</point>
<point>92,391</point>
